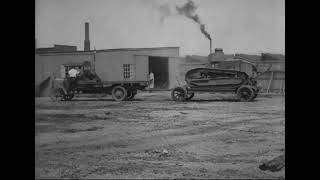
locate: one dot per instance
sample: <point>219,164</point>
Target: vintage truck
<point>88,82</point>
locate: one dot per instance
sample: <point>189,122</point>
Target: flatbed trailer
<point>119,90</point>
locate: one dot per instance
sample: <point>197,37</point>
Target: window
<point>63,71</point>
<point>128,71</point>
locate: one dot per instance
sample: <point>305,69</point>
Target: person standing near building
<point>151,81</point>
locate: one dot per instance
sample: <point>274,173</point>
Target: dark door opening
<point>159,67</point>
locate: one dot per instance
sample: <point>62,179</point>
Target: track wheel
<point>255,95</point>
<point>68,97</point>
<point>119,93</point>
<point>178,94</point>
<point>245,93</point>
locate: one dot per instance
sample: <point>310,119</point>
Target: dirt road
<point>213,136</point>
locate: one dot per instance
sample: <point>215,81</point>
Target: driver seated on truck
<point>73,72</point>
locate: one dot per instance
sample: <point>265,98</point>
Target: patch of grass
<point>44,128</point>
<point>58,117</point>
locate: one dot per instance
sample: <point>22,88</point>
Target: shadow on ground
<point>95,99</point>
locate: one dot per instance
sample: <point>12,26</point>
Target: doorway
<point>159,67</point>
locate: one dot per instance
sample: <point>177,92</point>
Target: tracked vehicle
<point>215,80</point>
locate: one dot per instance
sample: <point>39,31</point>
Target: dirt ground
<point>212,136</point>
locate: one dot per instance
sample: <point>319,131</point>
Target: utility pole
<point>94,59</point>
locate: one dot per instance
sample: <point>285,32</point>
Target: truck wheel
<point>119,93</point>
<point>245,93</point>
<point>190,96</point>
<point>178,94</point>
<point>56,94</point>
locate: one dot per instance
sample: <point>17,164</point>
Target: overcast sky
<point>237,26</point>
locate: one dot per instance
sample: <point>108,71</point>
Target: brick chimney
<point>87,40</point>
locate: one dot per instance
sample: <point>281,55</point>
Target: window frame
<point>128,71</point>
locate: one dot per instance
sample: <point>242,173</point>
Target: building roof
<point>57,48</point>
<point>249,57</point>
<point>138,49</point>
<point>110,50</point>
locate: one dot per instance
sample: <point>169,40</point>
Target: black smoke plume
<point>163,9</point>
<point>188,10</point>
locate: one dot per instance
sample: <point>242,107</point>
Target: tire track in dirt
<point>124,147</point>
<point>178,137</point>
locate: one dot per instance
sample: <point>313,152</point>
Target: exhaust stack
<point>218,55</point>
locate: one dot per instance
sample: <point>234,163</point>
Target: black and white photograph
<point>159,89</point>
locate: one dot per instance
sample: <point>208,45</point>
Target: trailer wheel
<point>245,93</point>
<point>256,93</point>
<point>190,96</point>
<point>131,94</point>
<point>119,93</point>
<point>178,94</point>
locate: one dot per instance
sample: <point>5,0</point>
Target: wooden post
<point>270,81</point>
<point>280,89</point>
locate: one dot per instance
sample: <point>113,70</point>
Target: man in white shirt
<point>73,72</point>
<point>151,81</point>
<point>73,75</point>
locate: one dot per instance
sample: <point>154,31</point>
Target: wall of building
<point>272,84</point>
<point>64,48</point>
<point>109,66</point>
<point>178,66</point>
<point>38,69</point>
<point>108,63</point>
<point>174,65</point>
<point>273,80</point>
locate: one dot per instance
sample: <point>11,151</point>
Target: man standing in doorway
<point>151,81</point>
